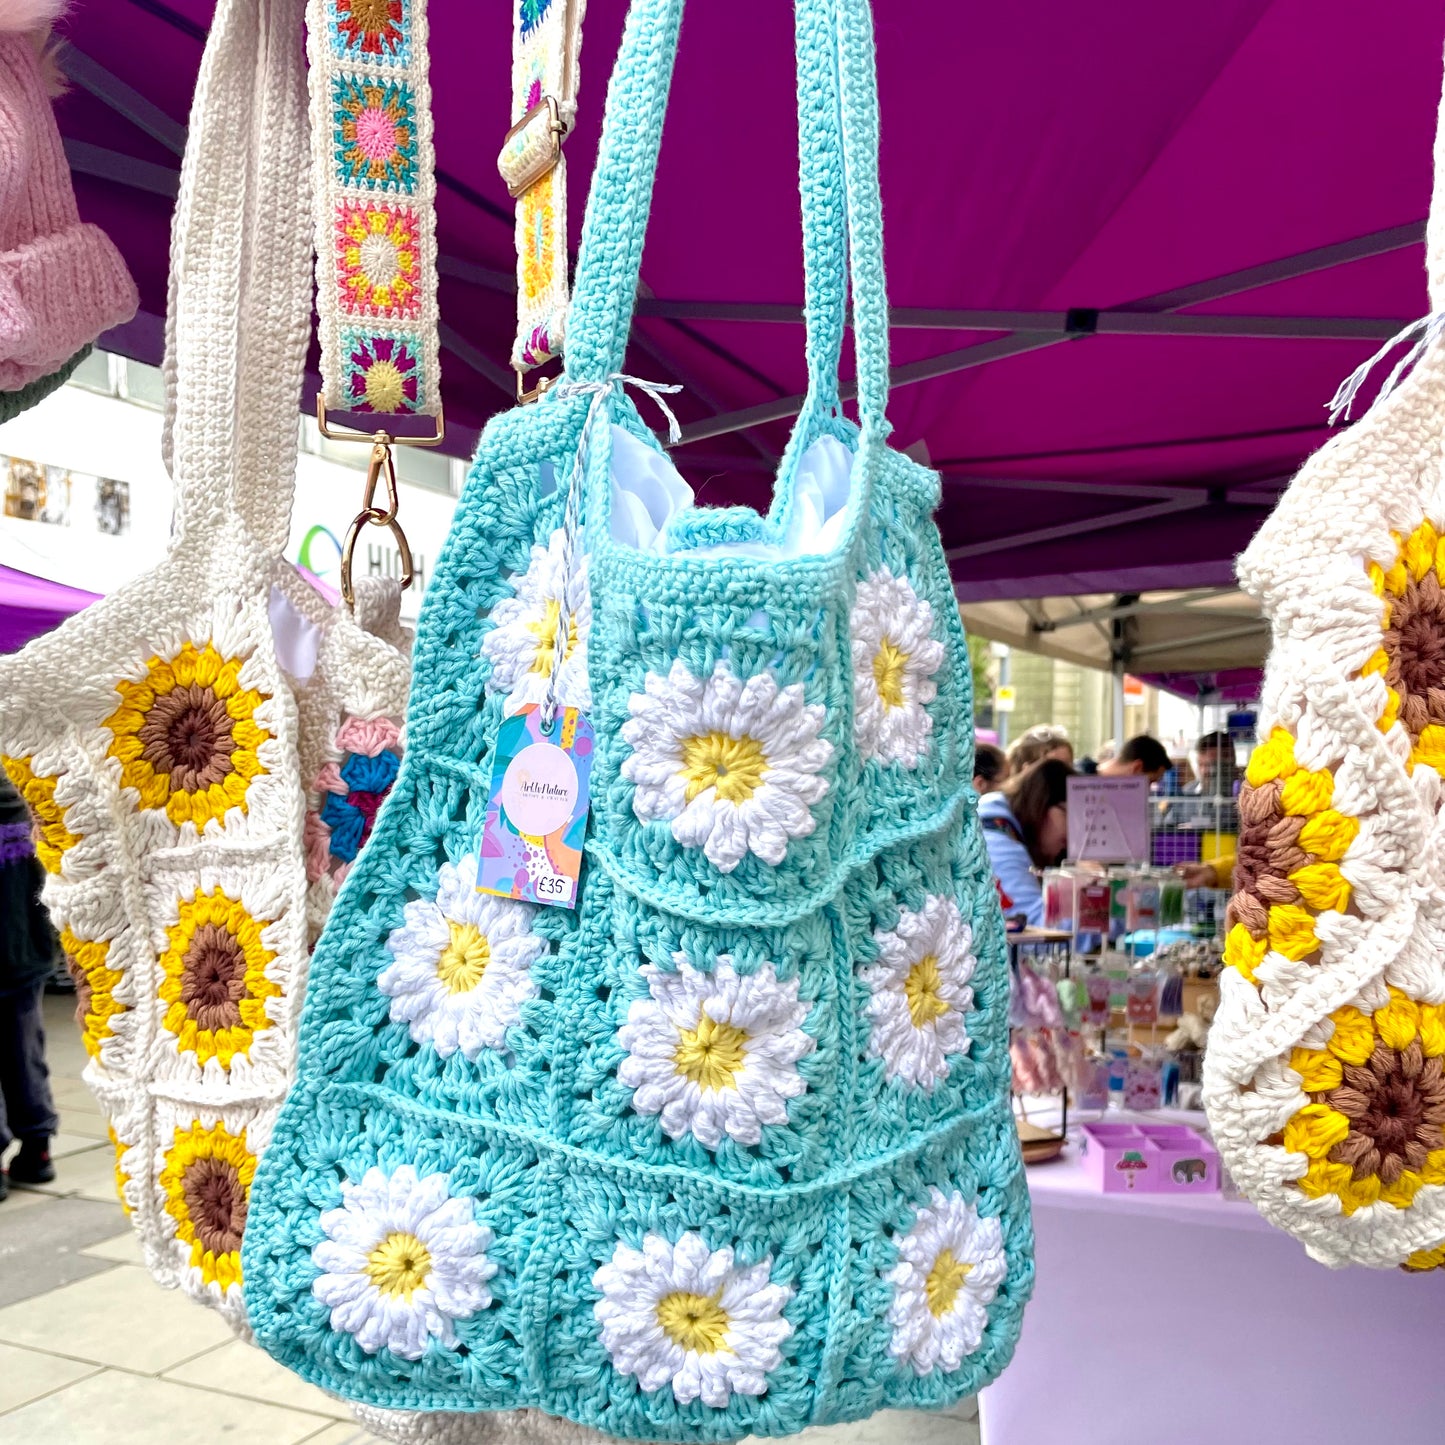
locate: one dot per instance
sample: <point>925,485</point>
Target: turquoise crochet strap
<point>820,187</point>
<point>610,259</point>
<point>832,183</point>
<point>858,87</point>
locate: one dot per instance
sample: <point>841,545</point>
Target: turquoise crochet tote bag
<point>727,1149</point>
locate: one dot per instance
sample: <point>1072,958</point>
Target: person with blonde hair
<point>1040,742</point>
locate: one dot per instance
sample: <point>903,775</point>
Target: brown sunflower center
<point>213,978</point>
<point>83,990</point>
<point>187,735</point>
<point>1395,1103</point>
<point>216,1203</point>
<point>1415,645</point>
<point>1268,853</point>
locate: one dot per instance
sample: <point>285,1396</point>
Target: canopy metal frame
<point>1020,332</point>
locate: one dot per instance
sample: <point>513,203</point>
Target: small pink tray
<point>1149,1159</point>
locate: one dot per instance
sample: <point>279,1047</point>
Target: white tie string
<point>599,391</point>
<point>1430,329</point>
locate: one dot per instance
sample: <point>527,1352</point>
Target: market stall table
<point>1190,1319</point>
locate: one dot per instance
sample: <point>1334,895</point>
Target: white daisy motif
<point>684,1315</point>
<point>950,1265</point>
<point>733,765</point>
<point>402,1261</point>
<point>523,640</point>
<point>895,657</point>
<point>715,1053</point>
<point>461,965</point>
<point>921,992</point>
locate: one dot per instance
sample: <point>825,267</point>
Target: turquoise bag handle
<point>838,155</point>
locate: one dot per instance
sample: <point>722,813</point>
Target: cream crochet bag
<point>1325,1072</point>
<point>188,743</point>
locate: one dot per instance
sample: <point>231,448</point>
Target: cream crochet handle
<point>240,280</point>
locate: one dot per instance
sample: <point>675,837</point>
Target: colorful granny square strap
<point>546,49</point>
<point>374,194</point>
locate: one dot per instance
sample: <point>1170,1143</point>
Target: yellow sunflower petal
<point>1424,1259</point>
<point>1322,886</point>
<point>1319,1070</point>
<point>1403,1191</point>
<point>1391,714</point>
<point>1353,1040</point>
<point>1305,793</point>
<point>1329,835</point>
<point>1243,951</point>
<point>1292,931</point>
<point>1429,748</point>
<point>1432,1029</point>
<point>1272,759</point>
<point>1398,1022</point>
<point>1315,1130</point>
<point>1418,553</point>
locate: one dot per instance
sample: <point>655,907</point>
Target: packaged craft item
<point>680,1160</point>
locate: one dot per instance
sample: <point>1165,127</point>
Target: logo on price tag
<point>537,809</point>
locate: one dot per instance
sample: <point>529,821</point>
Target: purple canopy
<point>1240,186</point>
<point>31,605</point>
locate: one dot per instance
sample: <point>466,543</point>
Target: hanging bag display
<point>1324,1076</point>
<point>724,1148</point>
<point>165,739</point>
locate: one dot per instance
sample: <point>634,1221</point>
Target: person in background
<point>990,767</point>
<point>1026,827</point>
<point>1216,874</point>
<point>1217,775</point>
<point>28,952</point>
<point>1215,754</point>
<point>1105,754</point>
<point>1038,743</point>
<point>1139,757</point>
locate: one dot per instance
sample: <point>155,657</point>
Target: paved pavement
<point>93,1352</point>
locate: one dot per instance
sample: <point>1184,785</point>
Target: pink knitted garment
<point>62,282</point>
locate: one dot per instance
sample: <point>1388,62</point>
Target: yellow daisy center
<point>944,1281</point>
<point>712,1053</point>
<point>385,390</point>
<point>922,990</point>
<point>546,630</point>
<point>465,958</point>
<point>399,1265</point>
<point>695,1322</point>
<point>889,663</point>
<point>734,766</point>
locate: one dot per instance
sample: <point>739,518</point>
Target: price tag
<point>537,809</point>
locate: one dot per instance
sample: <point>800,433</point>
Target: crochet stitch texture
<point>727,1150</point>
<point>1324,1076</point>
<point>164,750</point>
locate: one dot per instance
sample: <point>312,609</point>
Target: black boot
<point>4,1185</point>
<point>31,1164</point>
